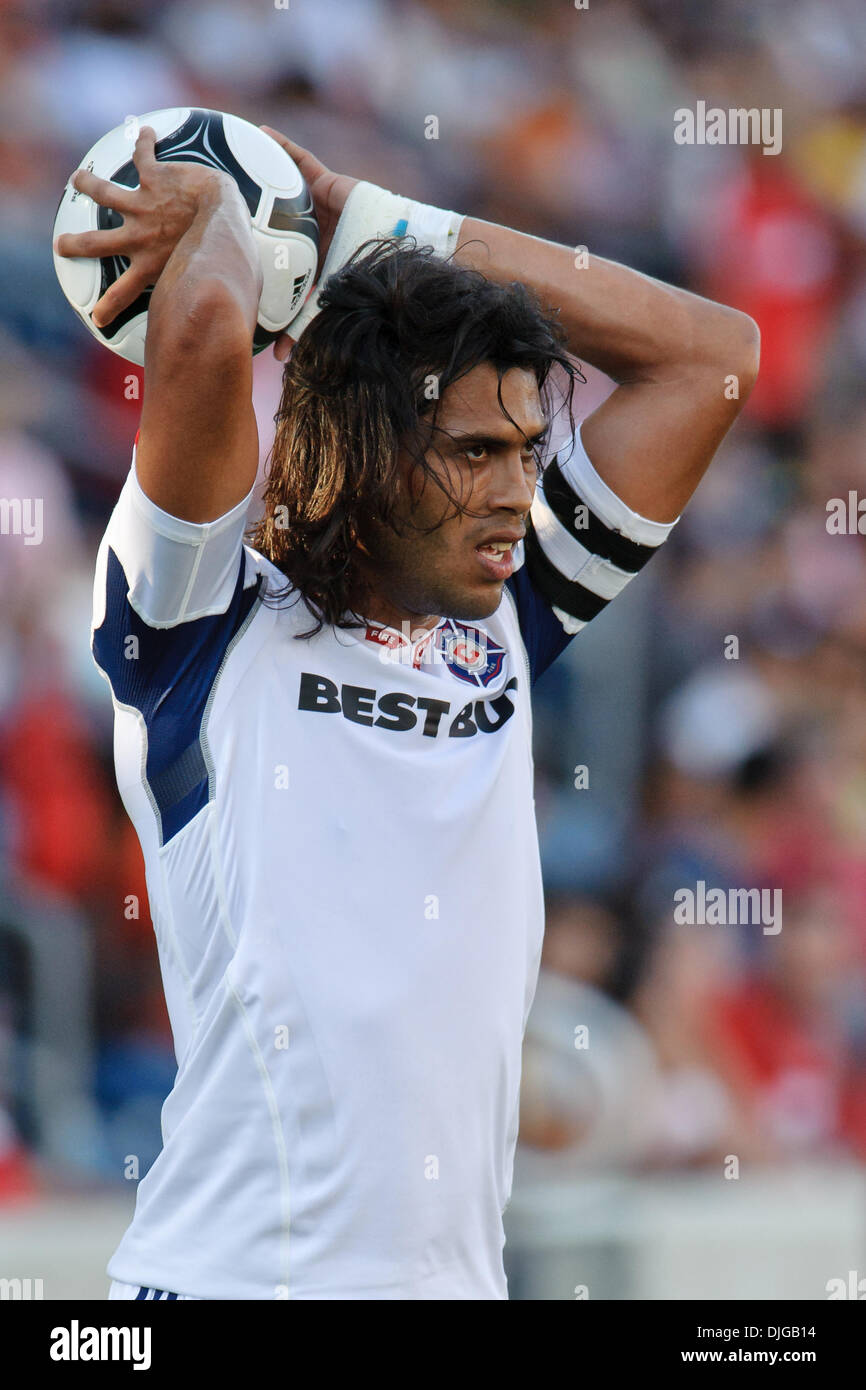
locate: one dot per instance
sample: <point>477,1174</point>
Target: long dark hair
<point>397,325</point>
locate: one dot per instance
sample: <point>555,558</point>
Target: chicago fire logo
<point>469,652</point>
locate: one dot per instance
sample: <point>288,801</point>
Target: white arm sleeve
<point>583,545</point>
<point>175,570</point>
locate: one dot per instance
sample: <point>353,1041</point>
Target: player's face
<point>458,569</point>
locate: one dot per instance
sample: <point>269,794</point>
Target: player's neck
<point>367,600</point>
<point>384,614</point>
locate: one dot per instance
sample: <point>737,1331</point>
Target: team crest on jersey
<point>469,653</point>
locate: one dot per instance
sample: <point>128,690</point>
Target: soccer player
<point>323,738</point>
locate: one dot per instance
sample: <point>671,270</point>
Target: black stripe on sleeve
<point>595,536</point>
<point>553,586</point>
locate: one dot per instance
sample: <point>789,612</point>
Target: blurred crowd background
<point>740,764</point>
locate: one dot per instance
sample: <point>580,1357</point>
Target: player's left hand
<point>329,192</point>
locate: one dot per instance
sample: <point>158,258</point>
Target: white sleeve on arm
<point>585,543</point>
<point>169,598</point>
<point>575,464</point>
<point>175,570</point>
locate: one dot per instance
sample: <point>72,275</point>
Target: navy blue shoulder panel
<point>167,674</point>
<point>543,634</point>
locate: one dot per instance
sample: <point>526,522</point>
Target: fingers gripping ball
<point>281,212</point>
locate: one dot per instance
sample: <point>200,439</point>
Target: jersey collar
<point>413,652</point>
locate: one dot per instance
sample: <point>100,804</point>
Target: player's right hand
<point>329,192</point>
<point>155,216</point>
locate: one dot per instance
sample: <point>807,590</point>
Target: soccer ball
<point>281,210</point>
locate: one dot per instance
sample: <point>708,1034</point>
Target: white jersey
<point>343,872</point>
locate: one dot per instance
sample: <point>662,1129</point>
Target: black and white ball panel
<point>279,202</point>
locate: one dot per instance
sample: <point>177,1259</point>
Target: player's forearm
<point>215,258</point>
<point>198,446</point>
<point>684,366</point>
<point>630,326</point>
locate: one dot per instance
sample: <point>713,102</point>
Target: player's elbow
<point>205,325</point>
<point>743,352</point>
<point>723,351</point>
